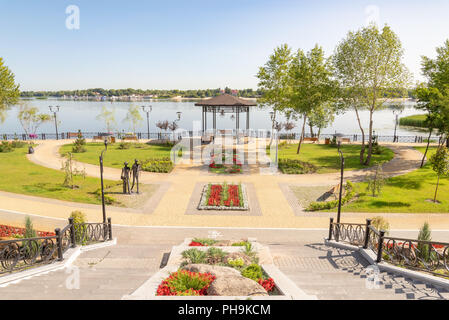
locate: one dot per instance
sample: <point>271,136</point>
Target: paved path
<point>172,205</point>
<point>112,272</point>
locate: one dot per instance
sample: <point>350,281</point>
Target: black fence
<point>428,256</point>
<point>24,253</point>
<point>177,135</point>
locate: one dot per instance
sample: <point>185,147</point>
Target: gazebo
<point>225,103</point>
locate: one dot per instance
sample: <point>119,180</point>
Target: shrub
<point>215,255</point>
<point>18,144</point>
<point>160,165</point>
<point>6,147</point>
<point>79,218</point>
<point>205,241</point>
<point>194,256</point>
<point>380,223</point>
<point>253,271</point>
<point>293,166</point>
<point>327,205</point>
<point>124,145</point>
<point>236,263</point>
<point>376,181</point>
<point>425,234</point>
<point>240,244</point>
<point>29,230</point>
<point>78,146</point>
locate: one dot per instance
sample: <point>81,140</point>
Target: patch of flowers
<point>267,284</point>
<point>9,231</point>
<point>185,283</point>
<point>223,167</point>
<point>222,196</point>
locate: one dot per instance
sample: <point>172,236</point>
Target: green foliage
<point>418,120</point>
<point>78,145</point>
<point>30,118</point>
<point>124,145</point>
<point>425,234</point>
<point>380,223</point>
<point>133,116</point>
<point>253,271</point>
<point>194,256</point>
<point>108,117</point>
<point>5,146</point>
<point>29,229</point>
<point>78,216</point>
<point>240,244</point>
<point>236,263</point>
<point>440,164</point>
<point>205,241</point>
<point>326,205</point>
<point>161,165</point>
<point>376,181</point>
<point>70,172</point>
<point>293,166</point>
<point>184,281</point>
<point>9,90</point>
<point>215,255</point>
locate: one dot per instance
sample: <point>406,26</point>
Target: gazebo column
<point>215,119</point>
<point>202,119</point>
<point>247,119</point>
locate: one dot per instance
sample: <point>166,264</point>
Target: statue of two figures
<point>127,174</point>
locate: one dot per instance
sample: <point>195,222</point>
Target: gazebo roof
<point>225,100</point>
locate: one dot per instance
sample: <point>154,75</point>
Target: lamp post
<point>342,160</point>
<point>147,110</point>
<point>178,114</point>
<point>101,176</point>
<point>55,110</point>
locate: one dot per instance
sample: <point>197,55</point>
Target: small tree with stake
<point>440,164</point>
<point>376,181</point>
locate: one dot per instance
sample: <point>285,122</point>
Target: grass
<point>408,193</point>
<point>413,121</point>
<point>115,157</point>
<point>19,175</point>
<point>326,158</point>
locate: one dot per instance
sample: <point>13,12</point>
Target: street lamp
<point>342,160</point>
<point>101,177</point>
<point>396,112</point>
<point>179,115</point>
<point>55,110</point>
<point>147,110</point>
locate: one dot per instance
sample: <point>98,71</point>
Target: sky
<point>192,44</point>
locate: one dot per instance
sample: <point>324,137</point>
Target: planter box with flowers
<point>211,269</point>
<point>224,167</point>
<point>224,196</point>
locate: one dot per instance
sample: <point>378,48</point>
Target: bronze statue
<point>126,171</point>
<point>135,172</point>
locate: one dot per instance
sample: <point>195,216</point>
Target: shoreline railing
<point>251,132</point>
<point>24,253</point>
<point>427,256</point>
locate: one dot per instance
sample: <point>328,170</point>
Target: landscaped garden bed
<point>16,232</point>
<point>243,269</point>
<point>224,197</point>
<point>223,167</point>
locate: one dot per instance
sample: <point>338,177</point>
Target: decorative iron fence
<point>428,256</point>
<point>21,254</point>
<point>251,133</point>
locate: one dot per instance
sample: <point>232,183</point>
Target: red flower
<point>268,284</point>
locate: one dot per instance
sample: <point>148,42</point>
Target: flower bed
<point>185,283</point>
<point>206,242</point>
<point>223,167</point>
<point>223,197</point>
<point>11,232</point>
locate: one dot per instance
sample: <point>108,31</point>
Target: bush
<point>29,230</point>
<point>380,223</point>
<point>205,241</point>
<point>79,218</point>
<point>160,165</point>
<point>194,256</point>
<point>327,205</point>
<point>6,147</point>
<point>18,144</point>
<point>215,255</point>
<point>239,244</point>
<point>293,166</point>
<point>424,235</point>
<point>80,142</point>
<point>124,145</point>
<point>236,263</point>
<point>185,283</point>
<point>253,272</point>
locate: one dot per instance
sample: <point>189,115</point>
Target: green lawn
<point>115,157</point>
<point>406,193</point>
<point>19,175</point>
<point>326,157</point>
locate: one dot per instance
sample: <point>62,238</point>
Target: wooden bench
<point>347,140</point>
<point>134,138</point>
<point>311,139</point>
<point>72,135</point>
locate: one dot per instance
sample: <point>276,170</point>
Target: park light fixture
<point>101,178</point>
<point>147,110</point>
<point>55,109</point>
<point>179,115</point>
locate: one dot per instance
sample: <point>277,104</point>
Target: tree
<point>311,85</point>
<point>134,117</point>
<point>376,181</point>
<point>425,234</point>
<point>321,117</point>
<point>30,118</point>
<point>368,66</point>
<point>162,125</point>
<point>289,126</point>
<point>440,164</point>
<point>108,117</point>
<point>173,126</point>
<point>437,73</point>
<point>274,79</point>
<point>9,91</point>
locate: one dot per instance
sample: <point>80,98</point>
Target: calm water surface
<point>82,115</point>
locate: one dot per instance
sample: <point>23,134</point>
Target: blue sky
<point>192,43</point>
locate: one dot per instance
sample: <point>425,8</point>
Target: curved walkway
<point>173,205</point>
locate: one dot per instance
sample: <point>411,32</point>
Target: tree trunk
<point>302,135</point>
<point>362,151</point>
<point>427,148</point>
<point>318,135</point>
<point>436,190</point>
<point>311,131</point>
<point>370,143</point>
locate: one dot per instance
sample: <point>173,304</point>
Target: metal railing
<point>428,256</point>
<point>21,254</point>
<point>251,133</point>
